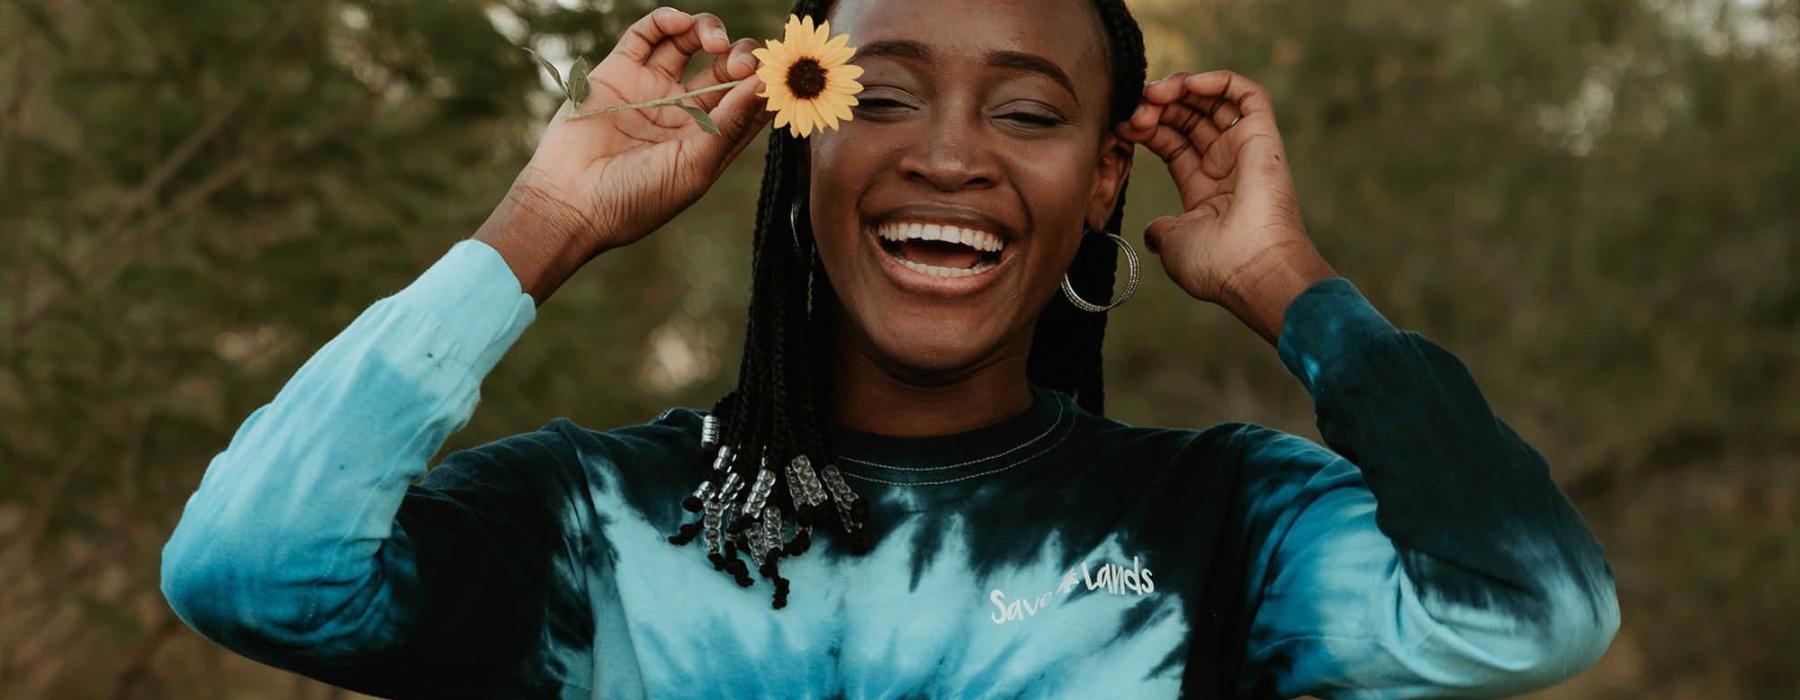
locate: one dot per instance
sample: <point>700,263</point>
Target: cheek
<point>839,172</point>
<point>1057,187</point>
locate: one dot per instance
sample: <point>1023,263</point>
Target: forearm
<point>1260,292</point>
<point>539,237</point>
<point>1436,557</point>
<point>1451,479</point>
<point>280,543</point>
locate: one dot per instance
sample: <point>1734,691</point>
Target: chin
<point>931,348</point>
<point>935,292</point>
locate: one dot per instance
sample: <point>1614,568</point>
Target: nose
<point>951,155</point>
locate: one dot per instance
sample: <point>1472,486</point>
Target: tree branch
<point>101,272</point>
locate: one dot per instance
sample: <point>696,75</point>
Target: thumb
<point>739,116</point>
<point>1157,231</point>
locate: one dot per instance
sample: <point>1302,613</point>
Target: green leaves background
<point>1591,202</point>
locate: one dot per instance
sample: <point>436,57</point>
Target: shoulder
<point>674,432</point>
<point>1220,444</point>
<point>563,455</point>
<point>1176,462</point>
<point>646,467</point>
<point>1255,461</point>
<point>671,439</point>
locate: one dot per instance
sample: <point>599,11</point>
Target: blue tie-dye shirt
<point>1058,553</point>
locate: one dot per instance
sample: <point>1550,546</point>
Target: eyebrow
<point>1011,60</point>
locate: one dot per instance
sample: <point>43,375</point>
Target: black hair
<point>768,440</point>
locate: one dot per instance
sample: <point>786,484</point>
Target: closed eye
<point>1031,119</point>
<point>878,106</point>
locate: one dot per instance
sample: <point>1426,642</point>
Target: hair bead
<point>694,500</point>
<point>709,432</point>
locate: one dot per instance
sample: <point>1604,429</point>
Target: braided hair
<point>766,441</point>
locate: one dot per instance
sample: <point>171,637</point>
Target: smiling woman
<point>918,404</point>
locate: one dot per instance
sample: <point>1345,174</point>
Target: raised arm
<point>1427,553</point>
<point>307,546</point>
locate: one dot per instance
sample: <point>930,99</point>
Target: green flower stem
<point>670,101</point>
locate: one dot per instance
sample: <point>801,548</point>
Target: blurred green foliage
<point>1594,203</point>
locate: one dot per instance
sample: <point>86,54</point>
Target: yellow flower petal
<point>780,53</point>
<point>836,44</point>
<point>840,109</point>
<point>824,116</point>
<point>804,40</point>
<point>813,119</point>
<point>781,100</point>
<point>772,76</point>
<point>847,72</point>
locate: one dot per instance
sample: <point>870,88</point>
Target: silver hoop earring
<point>1131,280</point>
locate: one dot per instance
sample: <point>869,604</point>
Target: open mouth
<point>940,250</point>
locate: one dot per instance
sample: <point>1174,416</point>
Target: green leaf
<point>554,75</point>
<point>699,115</point>
<point>578,85</point>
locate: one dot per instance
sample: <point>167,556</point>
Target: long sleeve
<point>1428,552</point>
<point>307,545</point>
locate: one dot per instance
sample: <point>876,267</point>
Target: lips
<point>940,250</point>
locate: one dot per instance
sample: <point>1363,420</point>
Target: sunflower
<point>807,77</point>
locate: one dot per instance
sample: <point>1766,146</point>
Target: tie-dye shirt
<point>1057,553</point>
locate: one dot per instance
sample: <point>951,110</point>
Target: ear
<point>1111,168</point>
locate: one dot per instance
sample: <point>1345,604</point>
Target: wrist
<point>540,237</point>
<point>1259,293</point>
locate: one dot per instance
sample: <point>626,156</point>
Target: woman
<point>914,465</point>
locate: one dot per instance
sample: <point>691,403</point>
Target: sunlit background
<point>1594,203</point>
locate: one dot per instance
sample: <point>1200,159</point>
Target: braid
<point>1065,349</point>
<point>772,468</point>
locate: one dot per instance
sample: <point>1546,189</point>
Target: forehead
<point>1067,32</point>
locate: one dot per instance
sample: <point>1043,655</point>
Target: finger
<point>1166,90</point>
<point>1141,124</point>
<point>712,34</point>
<point>644,35</point>
<point>1175,149</point>
<point>1218,87</point>
<point>1226,116</point>
<point>1209,99</point>
<point>1217,113</point>
<point>1157,231</point>
<point>670,58</point>
<point>1198,177</point>
<point>737,64</point>
<point>1204,135</point>
<point>740,116</point>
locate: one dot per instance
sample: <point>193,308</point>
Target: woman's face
<point>948,210</point>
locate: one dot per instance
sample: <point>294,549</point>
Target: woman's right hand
<point>607,180</point>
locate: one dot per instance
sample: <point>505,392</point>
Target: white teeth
<point>936,271</point>
<point>908,231</point>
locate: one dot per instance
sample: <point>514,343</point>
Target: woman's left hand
<point>1241,242</point>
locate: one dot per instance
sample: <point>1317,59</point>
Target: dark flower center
<point>806,78</point>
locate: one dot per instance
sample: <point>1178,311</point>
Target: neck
<point>872,396</point>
